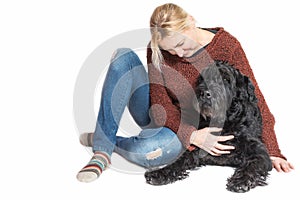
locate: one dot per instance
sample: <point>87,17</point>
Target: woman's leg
<point>126,79</point>
<point>151,148</point>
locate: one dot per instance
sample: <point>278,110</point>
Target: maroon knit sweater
<point>172,88</point>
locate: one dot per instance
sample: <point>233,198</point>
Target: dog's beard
<point>213,112</point>
<point>205,111</point>
<point>215,109</point>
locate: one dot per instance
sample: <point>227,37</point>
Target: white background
<point>43,45</point>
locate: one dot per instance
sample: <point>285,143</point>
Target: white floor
<point>43,46</point>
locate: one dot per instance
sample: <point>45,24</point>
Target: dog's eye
<point>226,79</point>
<point>201,93</point>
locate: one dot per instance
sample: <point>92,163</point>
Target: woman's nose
<point>179,52</point>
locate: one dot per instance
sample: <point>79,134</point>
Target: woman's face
<point>181,44</point>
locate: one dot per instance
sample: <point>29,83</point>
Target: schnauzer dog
<point>225,99</point>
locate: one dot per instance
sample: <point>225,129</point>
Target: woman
<point>179,50</point>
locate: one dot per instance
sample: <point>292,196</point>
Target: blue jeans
<point>127,84</point>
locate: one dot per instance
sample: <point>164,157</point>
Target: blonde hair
<point>166,20</point>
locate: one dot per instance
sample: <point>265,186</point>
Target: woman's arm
<point>164,112</point>
<point>240,61</point>
<point>279,161</point>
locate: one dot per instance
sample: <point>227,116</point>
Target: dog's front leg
<point>253,172</point>
<point>172,172</point>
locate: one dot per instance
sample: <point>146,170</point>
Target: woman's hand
<point>205,140</point>
<point>281,165</point>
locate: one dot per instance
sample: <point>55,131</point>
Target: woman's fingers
<point>277,166</point>
<point>223,147</point>
<point>210,151</point>
<point>225,138</point>
<point>220,152</point>
<point>213,142</point>
<point>281,165</point>
<point>213,129</point>
<point>210,142</point>
<point>217,149</point>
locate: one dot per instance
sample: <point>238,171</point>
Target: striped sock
<point>94,168</point>
<point>86,139</point>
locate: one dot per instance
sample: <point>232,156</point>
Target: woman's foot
<point>86,139</point>
<point>94,168</point>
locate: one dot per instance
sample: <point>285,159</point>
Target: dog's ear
<point>250,90</point>
<point>245,87</point>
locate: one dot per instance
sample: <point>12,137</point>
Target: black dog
<point>226,99</point>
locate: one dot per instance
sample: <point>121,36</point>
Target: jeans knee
<point>119,52</point>
<point>123,55</point>
<point>123,60</point>
<point>165,149</point>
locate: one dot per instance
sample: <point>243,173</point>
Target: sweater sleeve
<point>163,110</point>
<point>240,61</point>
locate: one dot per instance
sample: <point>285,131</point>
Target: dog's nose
<point>207,94</point>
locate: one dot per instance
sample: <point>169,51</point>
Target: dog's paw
<point>243,182</point>
<point>239,186</point>
<point>156,178</point>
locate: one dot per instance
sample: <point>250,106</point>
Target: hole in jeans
<point>154,154</point>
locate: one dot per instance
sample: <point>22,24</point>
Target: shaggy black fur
<point>225,98</point>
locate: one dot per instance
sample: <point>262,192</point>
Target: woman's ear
<point>192,21</point>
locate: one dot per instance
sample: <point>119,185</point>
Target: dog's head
<point>221,87</point>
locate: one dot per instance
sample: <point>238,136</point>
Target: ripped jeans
<point>127,84</point>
